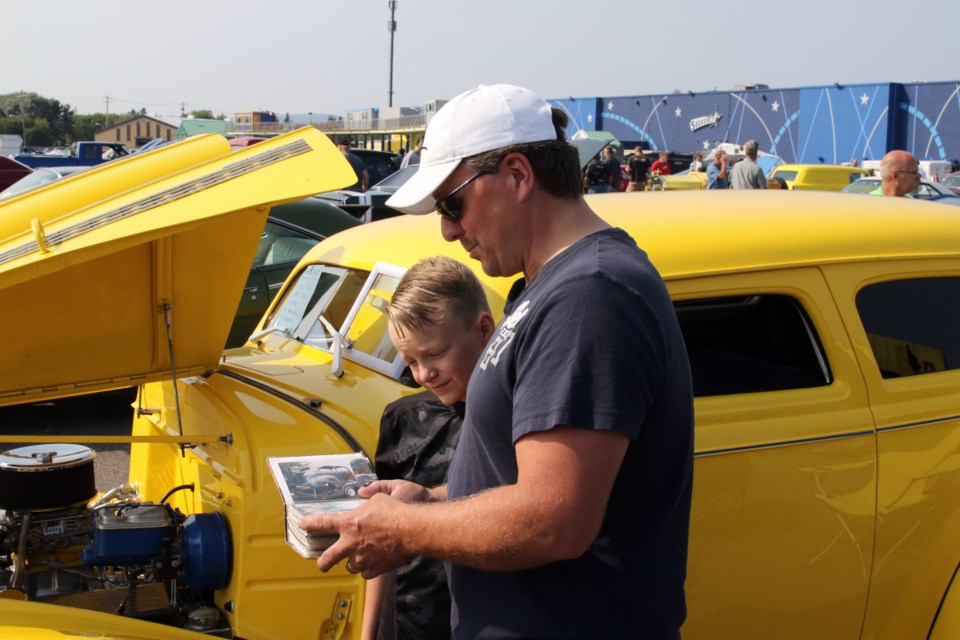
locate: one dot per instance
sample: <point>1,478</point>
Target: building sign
<point>705,121</point>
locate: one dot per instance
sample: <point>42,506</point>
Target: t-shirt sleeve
<point>594,358</point>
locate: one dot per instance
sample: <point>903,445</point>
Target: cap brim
<point>416,194</point>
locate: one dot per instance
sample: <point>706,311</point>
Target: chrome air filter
<point>46,476</point>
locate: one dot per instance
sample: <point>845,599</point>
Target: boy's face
<point>442,356</point>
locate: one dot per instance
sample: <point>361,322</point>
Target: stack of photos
<point>318,484</point>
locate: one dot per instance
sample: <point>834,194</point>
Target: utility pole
<point>392,28</point>
<point>107,114</point>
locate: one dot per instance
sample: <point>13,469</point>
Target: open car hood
<point>131,270</point>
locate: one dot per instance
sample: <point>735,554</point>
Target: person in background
<point>855,162</point>
<point>359,168</point>
<point>776,182</point>
<point>747,174</point>
<point>439,321</point>
<point>661,166</point>
<point>398,160</point>
<point>638,166</point>
<point>413,157</point>
<point>612,165</point>
<point>899,174</point>
<point>573,474</point>
<point>601,174</point>
<point>697,164</point>
<point>717,171</point>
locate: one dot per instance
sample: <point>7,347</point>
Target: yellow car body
<point>687,181</point>
<point>827,463</point>
<point>818,177</point>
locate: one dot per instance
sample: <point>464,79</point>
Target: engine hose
<point>163,500</point>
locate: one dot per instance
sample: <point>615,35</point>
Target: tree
<point>43,121</point>
<point>204,114</point>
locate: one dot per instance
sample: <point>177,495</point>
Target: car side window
<point>912,325</point>
<point>750,344</point>
<point>279,244</point>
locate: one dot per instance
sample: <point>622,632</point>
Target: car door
<point>904,319</point>
<point>784,484</point>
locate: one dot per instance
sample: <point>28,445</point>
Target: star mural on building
<point>589,117</point>
<point>610,106</point>
<point>679,112</point>
<point>864,99</point>
<point>775,106</point>
<point>706,144</point>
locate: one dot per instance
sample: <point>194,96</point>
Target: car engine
<point>61,544</point>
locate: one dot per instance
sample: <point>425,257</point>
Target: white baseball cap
<point>479,120</point>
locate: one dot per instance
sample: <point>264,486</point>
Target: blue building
<point>826,124</point>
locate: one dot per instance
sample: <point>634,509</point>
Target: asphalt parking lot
<point>103,414</point>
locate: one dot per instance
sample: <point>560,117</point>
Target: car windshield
<point>951,181</point>
<point>863,185</point>
<point>395,180</point>
<point>325,303</point>
<point>35,179</point>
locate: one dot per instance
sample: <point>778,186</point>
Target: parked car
<point>952,182</point>
<point>823,347</point>
<point>11,171</point>
<point>818,177</point>
<point>926,191</point>
<point>39,177</point>
<point>380,164</point>
<point>371,205</point>
<point>84,153</point>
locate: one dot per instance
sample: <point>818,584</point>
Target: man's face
<point>486,227</point>
<point>908,177</point>
<point>442,356</point>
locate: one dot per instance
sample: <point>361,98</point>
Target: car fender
<point>946,624</point>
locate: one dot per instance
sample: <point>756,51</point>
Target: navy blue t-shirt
<point>592,343</point>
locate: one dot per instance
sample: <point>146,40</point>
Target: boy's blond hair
<point>434,290</point>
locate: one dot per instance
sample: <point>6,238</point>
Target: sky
<point>325,56</point>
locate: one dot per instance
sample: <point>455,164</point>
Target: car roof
<point>825,167</point>
<point>695,233</point>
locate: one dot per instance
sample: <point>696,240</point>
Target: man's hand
<point>402,490</point>
<point>367,537</point>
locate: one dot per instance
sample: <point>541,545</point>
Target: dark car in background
<point>380,164</point>
<point>11,171</point>
<point>292,229</point>
<point>371,205</point>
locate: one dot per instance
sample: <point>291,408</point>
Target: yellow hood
<point>92,266</point>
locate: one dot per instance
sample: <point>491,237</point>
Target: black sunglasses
<point>450,206</point>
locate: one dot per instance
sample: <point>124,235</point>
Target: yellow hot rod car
<point>822,334</point>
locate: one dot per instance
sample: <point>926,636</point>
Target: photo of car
<point>823,348</point>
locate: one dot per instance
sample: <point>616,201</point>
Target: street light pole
<point>392,28</point>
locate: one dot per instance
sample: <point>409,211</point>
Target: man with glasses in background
<point>899,174</point>
<point>572,478</point>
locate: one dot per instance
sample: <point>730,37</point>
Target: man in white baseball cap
<point>573,474</point>
<point>483,119</point>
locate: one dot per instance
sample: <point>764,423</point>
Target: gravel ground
<point>100,414</point>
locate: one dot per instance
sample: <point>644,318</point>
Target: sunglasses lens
<point>449,208</point>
